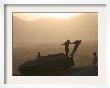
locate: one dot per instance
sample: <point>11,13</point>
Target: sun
<point>34,16</point>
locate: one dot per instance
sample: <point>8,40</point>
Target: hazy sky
<point>54,27</point>
<point>45,32</point>
<point>34,16</point>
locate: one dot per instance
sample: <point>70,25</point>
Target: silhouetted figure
<point>67,46</point>
<point>77,43</point>
<point>95,59</point>
<point>38,55</point>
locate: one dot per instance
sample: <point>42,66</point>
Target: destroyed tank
<point>46,65</point>
<point>51,65</point>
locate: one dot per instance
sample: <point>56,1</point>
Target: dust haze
<point>46,34</point>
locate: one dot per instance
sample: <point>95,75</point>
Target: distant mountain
<point>44,30</point>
